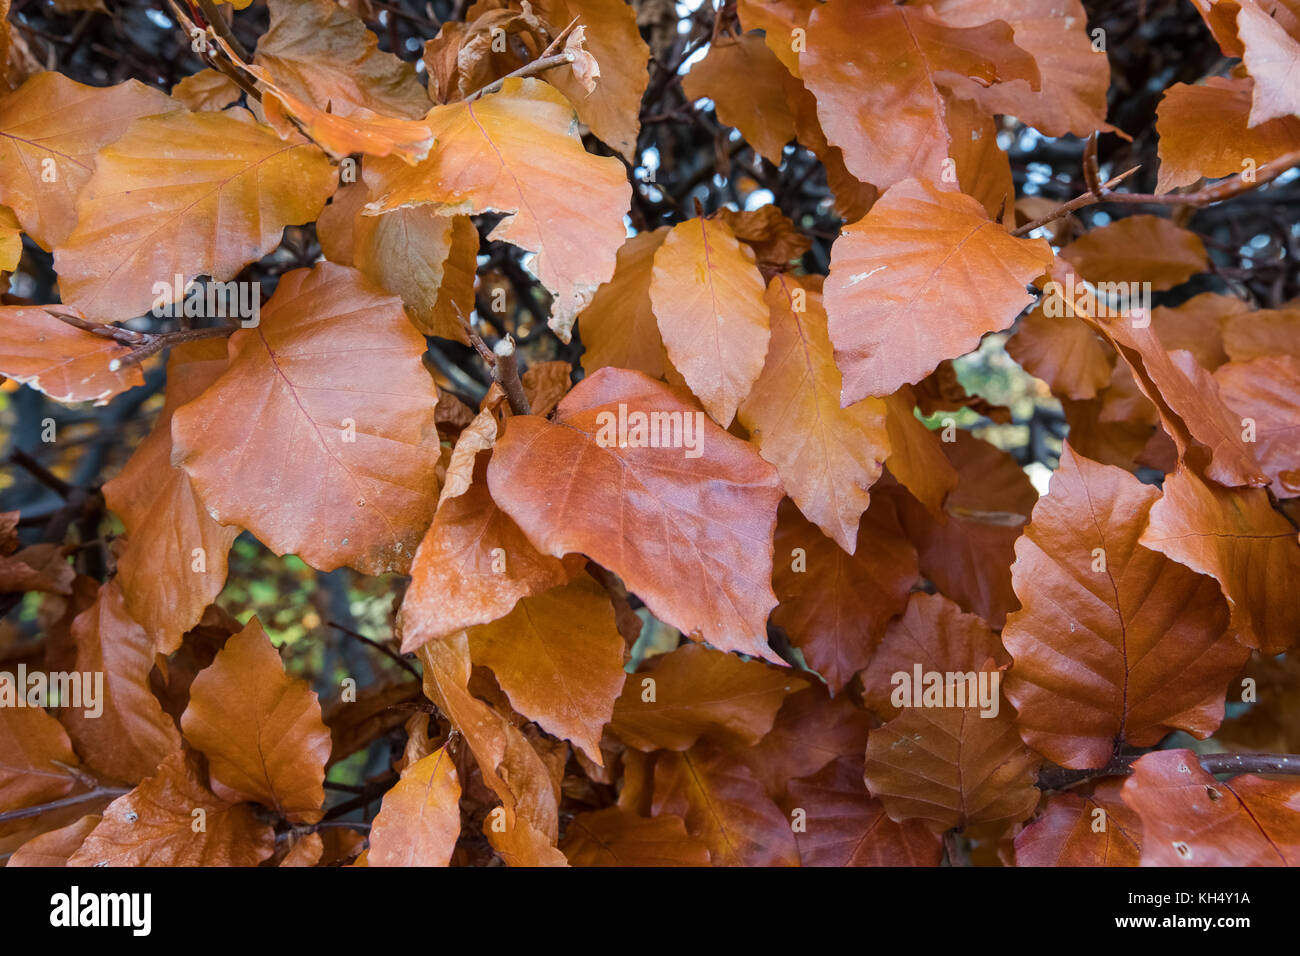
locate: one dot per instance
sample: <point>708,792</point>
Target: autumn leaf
<point>918,280</point>
<point>827,456</point>
<point>615,837</point>
<point>872,66</point>
<point>349,442</point>
<point>844,826</point>
<point>559,658</point>
<point>1233,535</point>
<point>220,189</point>
<point>514,152</point>
<point>835,604</point>
<point>619,328</point>
<point>696,691</point>
<point>174,562</point>
<point>778,19</point>
<point>1189,818</point>
<point>1138,249</point>
<point>419,821</point>
<point>1266,391</point>
<point>35,755</point>
<point>708,296</point>
<point>1094,829</point>
<point>206,90</point>
<point>51,128</point>
<point>67,363</point>
<point>56,846</point>
<point>707,519</point>
<point>811,730</point>
<point>156,825</point>
<point>1271,55</point>
<point>132,735</point>
<point>724,806</point>
<point>1114,644</point>
<point>260,729</point>
<point>757,107</point>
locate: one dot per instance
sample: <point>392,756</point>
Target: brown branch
<point>222,28</point>
<point>506,372</point>
<point>1091,171</point>
<point>1060,778</point>
<point>386,651</point>
<point>88,796</point>
<point>1087,199</point>
<point>157,341</point>
<point>532,68</point>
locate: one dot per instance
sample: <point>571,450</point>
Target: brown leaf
<point>725,807</point>
<point>66,363</point>
<point>827,456</point>
<point>778,19</point>
<point>811,730</point>
<point>1233,535</point>
<point>132,735</point>
<point>747,85</point>
<point>916,457</point>
<point>517,152</point>
<point>705,519</point>
<point>1267,391</point>
<point>615,837</point>
<point>695,691</point>
<point>545,384</point>
<point>708,295</point>
<point>220,191</point>
<point>1114,644</point>
<point>874,68</point>
<point>260,729</point>
<point>1204,131</point>
<point>55,847</point>
<point>1191,819</point>
<point>835,605</point>
<point>419,820</point>
<point>1063,351</point>
<point>559,658</point>
<point>845,826</point>
<point>207,90</point>
<point>1138,249</point>
<point>156,825</point>
<point>53,125</point>
<point>619,328</point>
<point>32,746</point>
<point>919,280</point>
<point>174,562</point>
<point>1272,55</point>
<point>951,767</point>
<point>337,456</point>
<point>1250,335</point>
<point>1098,829</point>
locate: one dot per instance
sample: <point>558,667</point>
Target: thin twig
<point>506,372</point>
<point>222,28</point>
<point>387,651</point>
<point>532,68</point>
<point>96,794</point>
<point>1059,778</point>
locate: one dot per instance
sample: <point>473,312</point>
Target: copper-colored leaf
<point>336,455</point>
<point>1063,351</point>
<point>1191,819</point>
<point>32,747</point>
<point>708,296</point>
<point>835,605</point>
<point>916,457</point>
<point>419,821</point>
<point>559,658</point>
<point>260,729</point>
<point>1272,55</point>
<point>845,826</point>
<point>66,363</point>
<point>1267,391</point>
<point>156,824</point>
<point>1204,131</point>
<point>724,806</point>
<point>132,735</point>
<point>220,191</point>
<point>55,847</point>
<point>951,767</point>
<point>207,90</point>
<point>757,106</point>
<point>619,328</point>
<point>1138,249</point>
<point>874,67</point>
<point>811,729</point>
<point>174,562</point>
<point>827,456</point>
<point>1114,643</point>
<point>696,691</point>
<point>1096,829</point>
<point>50,130</point>
<point>615,837</point>
<point>778,19</point>
<point>517,152</point>
<point>1233,535</point>
<point>577,485</point>
<point>918,280</point>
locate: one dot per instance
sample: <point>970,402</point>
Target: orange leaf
<point>615,837</point>
<point>219,190</point>
<point>260,729</point>
<point>1267,391</point>
<point>336,427</point>
<point>1098,829</point>
<point>517,152</point>
<point>1114,644</point>
<point>706,519</point>
<point>1272,56</point>
<point>559,658</point>
<point>619,328</point>
<point>155,825</point>
<point>32,745</point>
<point>708,295</point>
<point>1138,249</point>
<point>419,820</point>
<point>747,84</point>
<point>919,280</point>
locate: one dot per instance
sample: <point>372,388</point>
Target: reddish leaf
<point>615,837</point>
<point>66,363</point>
<point>1267,392</point>
<point>1098,829</point>
<point>758,107</point>
<point>32,747</point>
